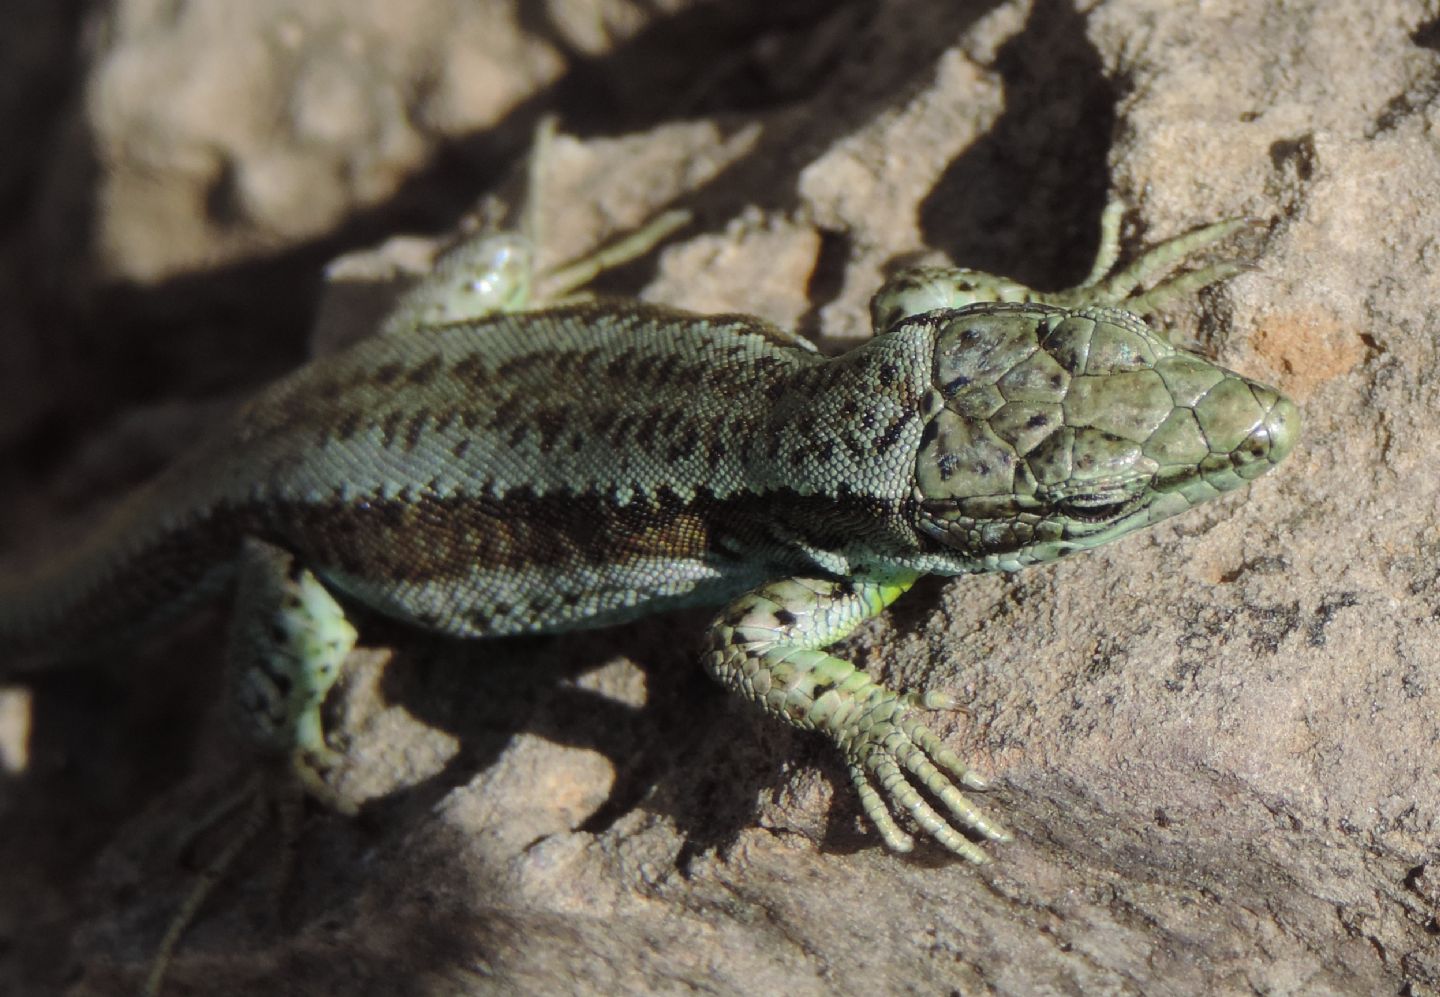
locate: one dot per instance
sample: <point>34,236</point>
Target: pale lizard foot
<point>266,796</point>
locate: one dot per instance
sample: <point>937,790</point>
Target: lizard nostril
<point>1280,429</point>
<point>1271,440</point>
<point>1278,432</point>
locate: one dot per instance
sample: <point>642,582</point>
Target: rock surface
<point>1216,741</point>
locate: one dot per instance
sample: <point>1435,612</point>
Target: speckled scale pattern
<point>575,466</point>
<point>579,466</point>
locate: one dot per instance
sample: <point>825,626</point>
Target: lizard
<point>480,469</point>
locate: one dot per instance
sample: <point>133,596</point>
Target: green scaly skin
<point>510,472</point>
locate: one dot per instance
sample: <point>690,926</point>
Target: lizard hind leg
<point>486,275</point>
<point>565,282</point>
<point>288,641</point>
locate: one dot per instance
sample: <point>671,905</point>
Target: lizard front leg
<point>767,646</point>
<point>494,272</point>
<point>921,289</point>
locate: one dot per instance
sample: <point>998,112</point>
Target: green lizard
<point>480,470</point>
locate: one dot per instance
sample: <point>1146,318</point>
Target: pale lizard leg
<point>496,272</point>
<point>486,274</point>
<point>766,646</point>
<point>924,289</point>
<point>288,642</point>
<point>489,274</point>
<point>1108,253</point>
<point>561,282</point>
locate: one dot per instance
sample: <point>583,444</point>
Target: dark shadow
<point>106,742</point>
<point>1427,34</point>
<point>1419,94</point>
<point>483,693</point>
<point>1025,200</point>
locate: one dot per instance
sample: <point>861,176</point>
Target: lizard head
<point>1053,430</point>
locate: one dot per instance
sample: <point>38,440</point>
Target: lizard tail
<point>135,571</point>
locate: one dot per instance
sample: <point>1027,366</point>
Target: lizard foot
<point>886,746</point>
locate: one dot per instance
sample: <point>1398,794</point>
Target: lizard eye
<point>1097,508</point>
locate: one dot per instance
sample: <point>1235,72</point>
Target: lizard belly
<point>474,567</point>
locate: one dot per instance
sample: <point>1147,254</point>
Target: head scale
<point>1051,430</point>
